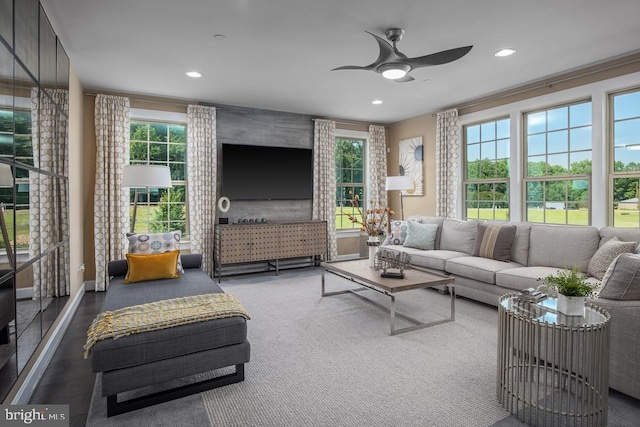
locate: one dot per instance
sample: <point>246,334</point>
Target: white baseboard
<point>24,293</point>
<point>33,377</point>
<point>347,257</point>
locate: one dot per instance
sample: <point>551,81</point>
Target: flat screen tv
<point>252,172</point>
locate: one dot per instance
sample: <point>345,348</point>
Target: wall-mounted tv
<point>252,172</point>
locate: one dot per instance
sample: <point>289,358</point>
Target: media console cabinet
<point>270,241</point>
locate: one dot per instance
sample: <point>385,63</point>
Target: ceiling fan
<point>395,65</point>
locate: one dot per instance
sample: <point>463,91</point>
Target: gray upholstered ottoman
<point>155,357</point>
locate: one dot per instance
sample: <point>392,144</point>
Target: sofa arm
<point>624,363</point>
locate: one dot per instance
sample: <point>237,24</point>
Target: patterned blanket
<point>162,314</point>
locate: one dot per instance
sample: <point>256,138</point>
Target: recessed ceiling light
<point>193,74</point>
<point>505,52</point>
<point>219,36</point>
<point>376,102</point>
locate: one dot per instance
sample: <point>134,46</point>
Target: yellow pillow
<point>152,266</point>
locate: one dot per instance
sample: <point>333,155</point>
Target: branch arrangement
<point>374,220</point>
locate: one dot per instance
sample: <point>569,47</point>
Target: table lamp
<point>401,183</point>
<point>144,176</point>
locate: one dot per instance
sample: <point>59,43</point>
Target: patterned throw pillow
<point>606,254</point>
<point>398,233</point>
<point>494,241</point>
<point>156,243</point>
<point>421,236</point>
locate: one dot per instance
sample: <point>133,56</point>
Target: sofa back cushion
<point>562,246</point>
<point>624,234</point>
<point>458,235</point>
<point>430,220</point>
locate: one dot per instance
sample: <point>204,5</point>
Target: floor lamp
<point>401,183</point>
<point>144,176</point>
<point>6,181</point>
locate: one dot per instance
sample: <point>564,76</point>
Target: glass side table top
<point>546,312</point>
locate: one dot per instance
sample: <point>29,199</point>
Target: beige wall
<point>424,126</point>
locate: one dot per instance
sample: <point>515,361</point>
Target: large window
<point>15,134</point>
<point>161,144</point>
<point>625,132</point>
<point>486,174</point>
<point>557,143</point>
<point>350,179</point>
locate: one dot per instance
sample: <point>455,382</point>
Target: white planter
<point>374,243</point>
<point>571,306</point>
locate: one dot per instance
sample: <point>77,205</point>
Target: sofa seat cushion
<point>434,260</point>
<point>524,277</point>
<point>141,348</point>
<point>478,268</point>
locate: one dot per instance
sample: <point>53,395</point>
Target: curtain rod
<point>182,104</point>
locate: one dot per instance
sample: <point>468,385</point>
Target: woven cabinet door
<point>264,242</point>
<point>293,240</point>
<point>234,244</point>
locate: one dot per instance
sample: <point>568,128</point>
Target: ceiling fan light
<point>394,71</point>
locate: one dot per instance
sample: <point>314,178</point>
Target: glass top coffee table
<point>553,369</point>
<point>359,271</point>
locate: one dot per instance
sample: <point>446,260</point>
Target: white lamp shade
<point>399,183</point>
<point>6,176</point>
<point>149,176</point>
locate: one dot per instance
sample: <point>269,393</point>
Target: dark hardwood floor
<point>68,378</point>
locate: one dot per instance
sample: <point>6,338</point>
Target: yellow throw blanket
<point>162,314</point>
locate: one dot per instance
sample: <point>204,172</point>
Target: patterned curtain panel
<point>201,181</point>
<point>110,200</point>
<point>447,154</point>
<point>48,195</point>
<point>377,164</point>
<point>324,179</point>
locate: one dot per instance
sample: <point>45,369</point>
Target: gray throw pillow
<point>622,279</point>
<point>494,241</point>
<point>458,235</point>
<point>606,254</point>
<point>421,236</point>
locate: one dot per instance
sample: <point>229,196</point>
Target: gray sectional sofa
<point>160,356</point>
<point>537,251</point>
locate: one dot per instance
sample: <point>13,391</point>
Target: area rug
<point>331,362</point>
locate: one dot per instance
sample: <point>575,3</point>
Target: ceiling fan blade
<point>387,53</point>
<point>353,67</point>
<point>404,79</point>
<point>438,58</point>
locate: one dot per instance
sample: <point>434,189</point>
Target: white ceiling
<point>278,54</point>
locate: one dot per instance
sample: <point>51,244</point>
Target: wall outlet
<point>81,267</point>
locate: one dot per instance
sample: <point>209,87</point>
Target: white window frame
<point>169,117</point>
<point>343,133</point>
<point>599,93</point>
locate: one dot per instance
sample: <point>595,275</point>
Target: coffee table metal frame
<point>369,283</point>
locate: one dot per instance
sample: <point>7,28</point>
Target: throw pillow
<point>151,266</point>
<point>622,279</point>
<point>156,243</point>
<point>398,233</point>
<point>421,236</point>
<point>458,235</point>
<point>606,254</point>
<point>494,241</point>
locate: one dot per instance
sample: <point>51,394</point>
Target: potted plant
<point>572,290</point>
<point>373,221</point>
